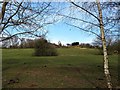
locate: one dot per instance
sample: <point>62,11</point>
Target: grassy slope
<point>73,68</point>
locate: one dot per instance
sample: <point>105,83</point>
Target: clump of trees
<point>75,43</point>
<point>27,43</point>
<point>82,45</point>
<point>113,46</point>
<point>44,48</point>
<point>86,45</point>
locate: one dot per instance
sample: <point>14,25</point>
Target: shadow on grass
<point>87,78</point>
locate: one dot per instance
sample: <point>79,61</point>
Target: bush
<point>101,51</point>
<point>43,48</point>
<point>114,48</point>
<point>110,50</point>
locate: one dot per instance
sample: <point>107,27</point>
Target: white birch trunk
<point>106,66</point>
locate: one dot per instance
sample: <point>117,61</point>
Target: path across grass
<point>73,68</point>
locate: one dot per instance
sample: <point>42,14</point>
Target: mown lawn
<point>73,68</point>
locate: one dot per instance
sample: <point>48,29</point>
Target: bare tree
<point>106,70</point>
<point>98,18</point>
<point>25,19</point>
<point>28,18</point>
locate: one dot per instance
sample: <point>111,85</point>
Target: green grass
<point>73,68</point>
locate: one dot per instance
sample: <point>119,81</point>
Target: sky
<point>66,0</point>
<point>64,33</point>
<point>67,34</point>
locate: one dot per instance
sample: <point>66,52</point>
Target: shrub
<point>110,50</point>
<point>114,48</point>
<point>43,48</point>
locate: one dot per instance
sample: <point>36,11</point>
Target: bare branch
<point>79,20</point>
<point>84,29</point>
<point>11,17</point>
<point>29,32</point>
<point>85,10</point>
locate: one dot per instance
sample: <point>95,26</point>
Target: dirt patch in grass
<point>51,77</point>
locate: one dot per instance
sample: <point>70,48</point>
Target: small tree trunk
<point>106,66</point>
<point>3,10</point>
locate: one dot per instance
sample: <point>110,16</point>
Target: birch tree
<point>106,67</point>
<point>96,22</point>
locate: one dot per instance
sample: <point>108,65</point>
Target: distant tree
<point>12,42</point>
<point>30,43</point>
<point>59,43</point>
<point>44,48</point>
<point>22,43</point>
<point>86,45</point>
<point>75,43</point>
<point>68,44</point>
<point>115,46</point>
<point>109,44</point>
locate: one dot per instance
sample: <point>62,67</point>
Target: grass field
<point>73,68</point>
